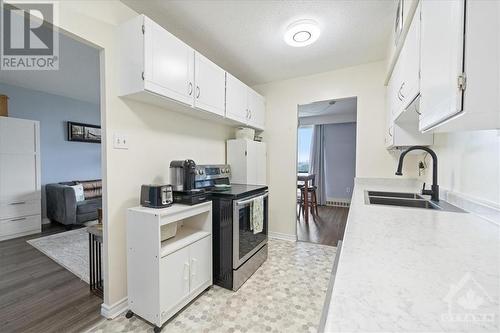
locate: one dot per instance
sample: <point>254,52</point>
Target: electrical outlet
<point>120,141</point>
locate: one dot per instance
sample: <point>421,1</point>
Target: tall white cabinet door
<point>411,62</point>
<point>169,64</point>
<point>442,45</point>
<point>210,85</point>
<point>201,262</point>
<point>257,110</point>
<point>18,176</point>
<point>236,99</point>
<point>174,286</point>
<point>261,166</point>
<point>17,136</point>
<point>252,162</point>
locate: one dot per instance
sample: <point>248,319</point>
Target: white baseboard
<point>114,310</point>
<point>279,235</point>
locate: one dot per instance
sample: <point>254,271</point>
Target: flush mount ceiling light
<point>302,33</point>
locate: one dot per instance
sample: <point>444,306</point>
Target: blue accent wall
<point>61,160</point>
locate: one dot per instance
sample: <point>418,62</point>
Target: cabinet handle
<point>193,267</point>
<point>190,91</point>
<point>19,219</point>
<point>401,90</point>
<point>390,134</point>
<point>247,113</point>
<point>198,92</point>
<point>250,112</point>
<point>18,203</point>
<point>186,271</point>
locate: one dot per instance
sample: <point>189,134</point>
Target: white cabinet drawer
<point>19,225</point>
<point>19,208</point>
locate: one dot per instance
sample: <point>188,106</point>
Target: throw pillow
<point>78,192</point>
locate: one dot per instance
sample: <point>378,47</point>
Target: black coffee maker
<point>182,175</point>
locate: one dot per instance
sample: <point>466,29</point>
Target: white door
<point>169,64</point>
<point>201,262</point>
<point>257,110</point>
<point>442,45</point>
<point>17,136</point>
<point>210,85</point>
<point>411,62</point>
<point>18,176</point>
<point>236,99</point>
<point>174,278</point>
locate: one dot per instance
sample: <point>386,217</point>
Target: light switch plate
<point>120,141</point>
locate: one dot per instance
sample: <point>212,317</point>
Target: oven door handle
<point>244,202</point>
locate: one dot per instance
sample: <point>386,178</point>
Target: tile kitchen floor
<point>286,294</point>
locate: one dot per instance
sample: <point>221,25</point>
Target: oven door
<point>245,241</point>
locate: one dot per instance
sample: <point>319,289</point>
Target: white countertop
<point>411,269</point>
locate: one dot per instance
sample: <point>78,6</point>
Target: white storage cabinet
<point>248,160</point>
<point>164,276</point>
<point>243,104</point>
<point>460,65</point>
<point>20,198</point>
<point>158,68</point>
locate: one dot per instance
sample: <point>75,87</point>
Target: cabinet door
<point>411,62</point>
<point>169,64</point>
<point>257,110</point>
<point>396,85</point>
<point>236,99</point>
<point>201,262</point>
<point>174,278</point>
<point>252,163</point>
<point>17,136</point>
<point>442,45</point>
<point>261,166</point>
<point>18,176</point>
<point>210,85</point>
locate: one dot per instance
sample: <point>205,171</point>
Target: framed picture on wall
<point>84,132</point>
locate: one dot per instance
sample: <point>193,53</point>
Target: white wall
<point>156,136</point>
<point>469,164</point>
<point>366,82</point>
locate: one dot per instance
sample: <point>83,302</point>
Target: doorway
<point>326,162</point>
<point>46,273</point>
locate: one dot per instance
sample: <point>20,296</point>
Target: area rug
<point>69,249</point>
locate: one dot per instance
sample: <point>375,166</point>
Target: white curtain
<point>317,162</point>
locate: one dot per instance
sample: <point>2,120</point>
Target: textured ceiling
<point>323,108</point>
<point>246,37</point>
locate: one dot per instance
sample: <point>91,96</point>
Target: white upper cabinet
<point>442,45</point>
<point>256,110</point>
<point>158,68</point>
<point>244,104</point>
<point>236,99</point>
<point>460,65</point>
<point>410,57</point>
<point>168,65</point>
<point>210,84</point>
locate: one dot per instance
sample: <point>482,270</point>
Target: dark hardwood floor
<point>327,228</point>
<point>38,295</point>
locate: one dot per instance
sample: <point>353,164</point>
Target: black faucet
<point>434,191</point>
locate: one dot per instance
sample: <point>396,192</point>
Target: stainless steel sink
<point>411,200</point>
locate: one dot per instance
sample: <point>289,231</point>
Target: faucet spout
<point>434,192</point>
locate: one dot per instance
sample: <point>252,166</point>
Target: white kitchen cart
<point>163,277</point>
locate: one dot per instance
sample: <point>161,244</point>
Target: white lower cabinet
<point>163,276</point>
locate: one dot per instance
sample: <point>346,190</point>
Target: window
<point>304,147</point>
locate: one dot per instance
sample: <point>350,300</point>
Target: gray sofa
<point>62,206</point>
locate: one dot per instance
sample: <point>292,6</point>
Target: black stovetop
<point>239,190</point>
